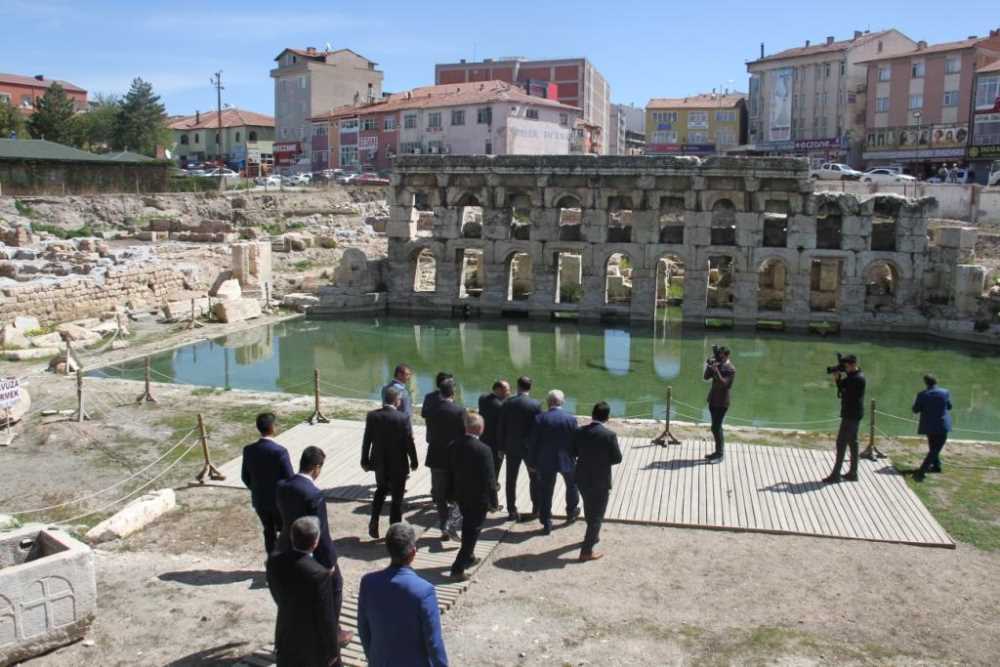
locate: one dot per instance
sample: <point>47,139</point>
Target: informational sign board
<point>10,392</point>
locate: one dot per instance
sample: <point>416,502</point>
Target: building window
<point>953,64</point>
<point>348,155</point>
<point>881,105</point>
<point>697,119</point>
<point>987,92</point>
<point>843,68</point>
<point>26,101</point>
<point>410,147</point>
<point>664,116</point>
<point>318,131</point>
<point>410,121</point>
<point>197,138</point>
<point>725,116</point>
<point>950,98</point>
<point>218,138</point>
<point>917,69</point>
<point>531,113</point>
<point>489,148</point>
<point>252,137</point>
<point>725,136</point>
<point>434,120</point>
<point>826,70</point>
<point>184,140</point>
<point>564,119</point>
<point>435,147</point>
<point>349,124</point>
<point>697,137</point>
<point>368,124</point>
<point>4,98</point>
<point>916,101</point>
<point>389,123</point>
<point>484,116</point>
<point>665,137</point>
<point>884,72</point>
<point>458,116</point>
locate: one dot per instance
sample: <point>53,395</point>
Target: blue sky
<point>645,48</point>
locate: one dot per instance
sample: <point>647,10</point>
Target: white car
<point>272,181</point>
<point>886,175</point>
<point>228,175</point>
<point>835,171</point>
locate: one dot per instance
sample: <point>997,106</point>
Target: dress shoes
<point>832,479</point>
<point>714,456</point>
<point>546,529</point>
<point>851,477</point>
<point>512,516</point>
<point>527,517</point>
<point>586,556</point>
<point>373,530</point>
<point>573,516</point>
<point>459,575</point>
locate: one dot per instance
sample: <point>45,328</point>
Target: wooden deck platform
<point>755,488</point>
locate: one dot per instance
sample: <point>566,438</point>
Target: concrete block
<point>134,517</point>
<point>236,310</point>
<point>48,591</point>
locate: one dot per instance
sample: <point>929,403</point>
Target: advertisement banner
<point>779,127</point>
<point>10,392</point>
<point>989,151</point>
<point>932,136</point>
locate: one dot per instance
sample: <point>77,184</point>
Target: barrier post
<point>146,396</point>
<point>80,414</point>
<point>670,393</point>
<point>69,356</point>
<point>317,415</point>
<point>871,452</point>
<point>194,323</point>
<point>209,469</point>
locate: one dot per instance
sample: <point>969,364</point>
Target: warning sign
<point>10,392</point>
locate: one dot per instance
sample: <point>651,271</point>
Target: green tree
<point>95,130</point>
<point>11,120</point>
<point>140,124</point>
<point>53,113</point>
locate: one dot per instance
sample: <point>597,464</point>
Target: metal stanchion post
<point>80,414</point>
<point>209,469</point>
<point>146,396</point>
<point>317,415</point>
<point>871,452</point>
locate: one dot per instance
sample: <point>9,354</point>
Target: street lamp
<point>916,144</point>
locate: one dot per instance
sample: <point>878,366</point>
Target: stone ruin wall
<point>747,238</point>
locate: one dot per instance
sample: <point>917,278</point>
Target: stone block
<point>175,311</point>
<point>53,339</point>
<point>12,338</point>
<point>78,334</point>
<point>963,238</point>
<point>133,517</point>
<point>48,592</point>
<point>300,301</point>
<point>236,310</point>
<point>32,353</point>
<point>27,324</point>
<point>228,289</point>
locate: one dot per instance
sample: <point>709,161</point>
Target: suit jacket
<point>722,384</point>
<point>405,402</point>
<point>445,425</point>
<point>548,446</point>
<point>265,463</point>
<point>431,403</point>
<point>473,477</point>
<point>933,406</point>
<point>387,447</point>
<point>306,632</point>
<point>398,620</point>
<point>517,418</point>
<point>299,497</point>
<point>489,408</point>
<point>595,448</point>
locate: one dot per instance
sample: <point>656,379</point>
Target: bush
<point>60,233</point>
<point>24,209</point>
<point>326,243</point>
<point>570,293</point>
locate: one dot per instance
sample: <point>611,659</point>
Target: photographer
<point>851,391</point>
<point>721,372</point>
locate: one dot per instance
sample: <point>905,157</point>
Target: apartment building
<point>24,91</point>
<point>488,117</point>
<point>922,102</point>
<point>578,83</point>
<point>245,141</point>
<point>308,82</point>
<point>985,147</point>
<point>706,124</point>
<point>810,100</point>
<point>627,126</point>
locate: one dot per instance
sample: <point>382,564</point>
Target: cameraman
<point>851,391</point>
<point>721,372</point>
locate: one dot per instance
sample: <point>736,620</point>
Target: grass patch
<point>303,265</point>
<point>83,231</point>
<point>24,209</point>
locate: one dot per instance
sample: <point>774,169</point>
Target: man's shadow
<point>794,488</point>
<point>675,464</point>
<point>257,579</point>
<point>537,562</point>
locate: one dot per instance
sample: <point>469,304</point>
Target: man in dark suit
<point>265,463</point>
<point>474,483</point>
<point>444,425</point>
<point>548,455</point>
<point>517,418</point>
<point>386,448</point>
<point>306,632</point>
<point>298,497</point>
<point>933,405</point>
<point>489,408</point>
<point>433,399</point>
<point>595,449</point>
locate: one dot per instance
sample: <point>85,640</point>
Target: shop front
<point>921,150</point>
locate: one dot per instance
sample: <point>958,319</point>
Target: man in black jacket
<point>386,448</point>
<point>489,409</point>
<point>595,448</point>
<point>851,390</point>
<point>720,370</point>
<point>433,399</point>
<point>517,418</point>
<point>265,463</point>
<point>474,485</point>
<point>306,632</point>
<point>444,425</point>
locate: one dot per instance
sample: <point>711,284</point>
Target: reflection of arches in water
<point>617,351</point>
<point>423,338</point>
<point>667,358</point>
<point>471,337</point>
<point>567,347</point>
<point>617,406</point>
<point>519,343</point>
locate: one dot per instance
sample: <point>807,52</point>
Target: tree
<point>51,119</point>
<point>95,130</point>
<point>11,120</point>
<point>140,124</point>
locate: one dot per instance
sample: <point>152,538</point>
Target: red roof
<point>446,95</point>
<point>992,67</point>
<point>230,118</point>
<point>19,80</point>
<point>704,101</point>
<point>821,47</point>
<point>992,42</point>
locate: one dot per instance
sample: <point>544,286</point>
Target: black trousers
<point>395,488</point>
<point>595,504</point>
<point>271,522</point>
<point>935,443</point>
<point>497,463</point>
<point>513,467</point>
<point>847,437</point>
<point>718,413</point>
<point>473,517</point>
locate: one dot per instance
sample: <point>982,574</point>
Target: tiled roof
<point>991,42</point>
<point>316,53</point>
<point>705,101</point>
<point>124,156</point>
<point>39,149</point>
<point>445,95</point>
<point>230,118</point>
<point>20,80</point>
<point>992,67</point>
<point>821,47</point>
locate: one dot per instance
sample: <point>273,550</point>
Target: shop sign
<point>988,151</point>
<point>287,147</point>
<point>818,144</point>
<point>931,136</point>
<point>918,154</point>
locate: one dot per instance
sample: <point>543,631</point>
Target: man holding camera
<point>720,370</point>
<point>851,390</point>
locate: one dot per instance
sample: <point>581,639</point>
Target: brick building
<point>578,83</point>
<point>985,148</point>
<point>23,91</point>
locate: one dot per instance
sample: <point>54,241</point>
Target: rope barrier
<point>915,421</point>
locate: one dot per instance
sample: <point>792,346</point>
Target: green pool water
<point>781,379</point>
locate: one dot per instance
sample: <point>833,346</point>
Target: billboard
<point>918,138</point>
<point>779,125</point>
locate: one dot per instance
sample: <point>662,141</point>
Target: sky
<point>645,48</point>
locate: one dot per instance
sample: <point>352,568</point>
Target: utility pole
<point>216,81</point>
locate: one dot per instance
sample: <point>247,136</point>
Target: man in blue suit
<point>933,405</point>
<point>398,618</point>
<point>549,454</point>
<point>265,463</point>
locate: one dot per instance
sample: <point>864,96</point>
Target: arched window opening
<point>884,224</point>
<point>620,220</point>
<point>829,224</point>
<point>570,219</point>
<point>520,277</point>
<point>824,285</point>
<point>472,276</point>
<point>772,282</point>
<point>776,224</point>
<point>881,285</point>
<point>672,220</point>
<point>720,283</point>
<point>669,281</point>
<point>618,280</point>
<point>470,218</point>
<point>569,277</point>
<point>723,223</point>
<point>520,218</point>
<point>425,272</point>
<point>424,215</point>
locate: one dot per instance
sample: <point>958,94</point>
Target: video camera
<point>716,357</point>
<point>841,367</point>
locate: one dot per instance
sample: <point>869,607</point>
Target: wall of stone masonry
<point>752,188</point>
<point>72,298</point>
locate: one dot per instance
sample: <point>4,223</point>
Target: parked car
<point>370,178</point>
<point>835,171</point>
<point>346,179</point>
<point>994,177</point>
<point>272,181</point>
<point>886,175</point>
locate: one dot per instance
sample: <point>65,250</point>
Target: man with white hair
<point>549,454</point>
<point>473,486</point>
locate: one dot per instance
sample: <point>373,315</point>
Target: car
<point>269,181</point>
<point>229,177</point>
<point>347,179</point>
<point>994,177</point>
<point>886,175</point>
<point>835,171</point>
<point>370,178</point>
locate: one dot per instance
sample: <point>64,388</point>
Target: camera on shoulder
<point>717,356</point>
<point>841,366</point>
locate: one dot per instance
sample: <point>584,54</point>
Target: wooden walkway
<point>756,488</point>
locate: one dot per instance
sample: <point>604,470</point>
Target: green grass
<point>24,209</point>
<point>304,265</point>
<point>60,233</point>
